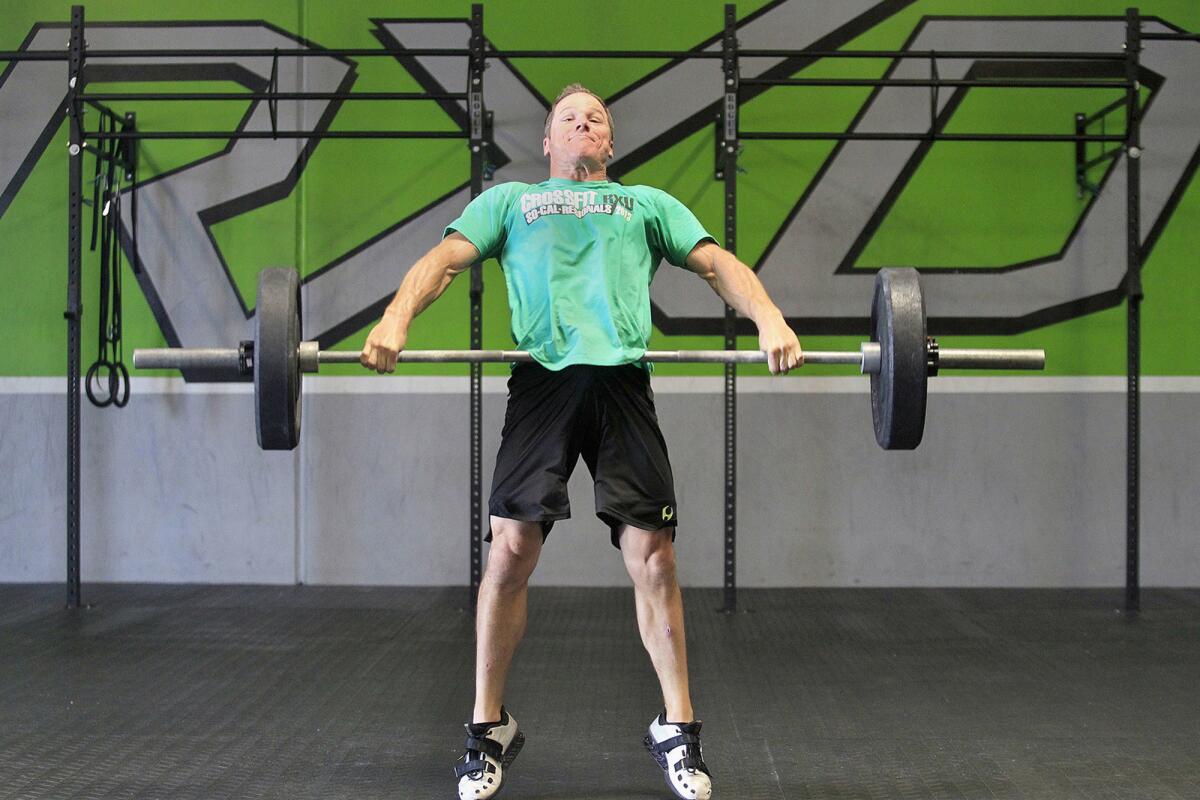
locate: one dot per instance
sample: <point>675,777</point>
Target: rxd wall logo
<point>808,265</point>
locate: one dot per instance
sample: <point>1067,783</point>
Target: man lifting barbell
<point>578,253</point>
<point>581,388</point>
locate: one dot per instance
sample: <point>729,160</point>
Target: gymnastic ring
<point>92,373</point>
<point>118,379</point>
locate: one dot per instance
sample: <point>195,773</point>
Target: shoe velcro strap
<point>489,746</point>
<point>468,767</point>
<point>666,745</point>
<point>692,762</point>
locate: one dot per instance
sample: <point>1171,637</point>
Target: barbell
<point>900,358</point>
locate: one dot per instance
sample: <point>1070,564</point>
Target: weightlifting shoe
<point>491,747</point>
<point>676,749</point>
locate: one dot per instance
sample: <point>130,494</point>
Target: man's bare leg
<point>501,611</point>
<point>650,558</point>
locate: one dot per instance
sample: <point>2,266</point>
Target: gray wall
<point>1020,482</point>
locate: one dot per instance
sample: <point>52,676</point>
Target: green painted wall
<point>986,203</point>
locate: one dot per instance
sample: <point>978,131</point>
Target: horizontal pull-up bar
<point>919,136</point>
<point>458,52</point>
<point>118,96</point>
<point>356,52</point>
<point>973,55</point>
<point>279,135</point>
<point>760,135</point>
<point>111,97</point>
<point>997,83</point>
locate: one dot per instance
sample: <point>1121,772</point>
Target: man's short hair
<point>574,88</point>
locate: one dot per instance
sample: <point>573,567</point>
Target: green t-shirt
<point>578,258</point>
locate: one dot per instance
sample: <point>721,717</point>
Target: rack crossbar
<point>925,55</point>
<point>922,136</point>
<point>928,82</point>
<point>114,97</point>
<point>279,135</point>
<point>448,52</point>
<point>433,52</point>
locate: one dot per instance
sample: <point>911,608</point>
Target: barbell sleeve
<point>183,358</point>
<point>977,358</point>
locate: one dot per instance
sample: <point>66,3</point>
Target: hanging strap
<point>106,223</point>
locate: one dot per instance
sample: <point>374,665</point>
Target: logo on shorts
<point>668,513</point>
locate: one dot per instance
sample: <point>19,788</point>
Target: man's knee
<point>516,546</point>
<point>649,556</point>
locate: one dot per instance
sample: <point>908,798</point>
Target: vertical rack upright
<point>74,311</point>
<point>729,147</point>
<point>478,154</point>
<point>1133,296</point>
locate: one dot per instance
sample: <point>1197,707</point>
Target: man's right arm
<point>423,284</point>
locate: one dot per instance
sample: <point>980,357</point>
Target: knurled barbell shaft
<point>228,358</point>
<point>656,356</point>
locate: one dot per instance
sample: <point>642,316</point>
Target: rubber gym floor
<point>159,691</point>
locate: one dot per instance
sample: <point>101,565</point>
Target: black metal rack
<point>728,140</point>
<point>477,137</point>
<point>1130,141</point>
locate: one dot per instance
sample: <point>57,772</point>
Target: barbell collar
<point>310,356</point>
<point>871,356</point>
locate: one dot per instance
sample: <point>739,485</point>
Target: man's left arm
<point>740,288</point>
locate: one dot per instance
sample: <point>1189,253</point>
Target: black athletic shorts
<point>605,414</point>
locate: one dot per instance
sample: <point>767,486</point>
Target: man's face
<point>578,131</point>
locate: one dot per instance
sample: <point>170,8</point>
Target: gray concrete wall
<point>1020,482</point>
